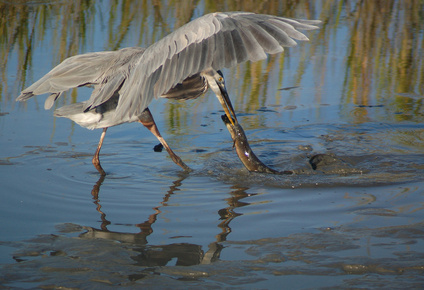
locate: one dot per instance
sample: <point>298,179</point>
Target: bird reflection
<point>145,227</point>
<point>184,254</point>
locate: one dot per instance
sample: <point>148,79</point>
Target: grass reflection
<point>383,58</point>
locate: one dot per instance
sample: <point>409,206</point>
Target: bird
<point>182,65</point>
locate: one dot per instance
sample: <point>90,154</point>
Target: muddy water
<point>352,218</point>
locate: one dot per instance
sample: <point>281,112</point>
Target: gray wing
<point>217,40</point>
<point>105,70</point>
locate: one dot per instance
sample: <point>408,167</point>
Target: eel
<point>245,153</point>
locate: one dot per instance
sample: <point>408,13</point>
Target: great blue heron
<point>182,65</point>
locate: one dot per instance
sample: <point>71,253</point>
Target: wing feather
<point>239,47</point>
<point>104,91</point>
<point>72,72</point>
<point>219,59</point>
<point>268,43</point>
<point>254,49</point>
<point>229,50</point>
<point>279,35</point>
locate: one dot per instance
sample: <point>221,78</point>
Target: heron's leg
<point>147,120</point>
<point>96,160</point>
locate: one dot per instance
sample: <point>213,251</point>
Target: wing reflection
<point>181,254</point>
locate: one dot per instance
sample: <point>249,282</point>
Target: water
<point>148,224</point>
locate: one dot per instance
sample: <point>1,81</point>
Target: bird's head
<point>216,82</point>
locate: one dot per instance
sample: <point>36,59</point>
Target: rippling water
<point>347,93</point>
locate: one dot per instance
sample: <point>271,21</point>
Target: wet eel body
<point>245,153</point>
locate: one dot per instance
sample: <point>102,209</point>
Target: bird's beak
<point>225,101</point>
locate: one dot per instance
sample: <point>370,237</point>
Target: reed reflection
<point>186,254</point>
<point>384,57</point>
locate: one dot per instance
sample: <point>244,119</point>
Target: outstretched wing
<point>216,40</point>
<point>105,70</point>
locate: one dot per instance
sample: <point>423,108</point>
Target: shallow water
<point>350,94</point>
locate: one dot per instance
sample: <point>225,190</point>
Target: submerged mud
<point>73,258</point>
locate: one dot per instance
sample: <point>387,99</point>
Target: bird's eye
<point>220,79</point>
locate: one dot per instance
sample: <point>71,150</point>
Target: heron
<point>182,65</point>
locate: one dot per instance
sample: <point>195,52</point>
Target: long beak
<point>225,101</point>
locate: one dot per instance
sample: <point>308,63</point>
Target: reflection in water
<point>186,254</point>
<point>95,193</point>
<point>145,227</point>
